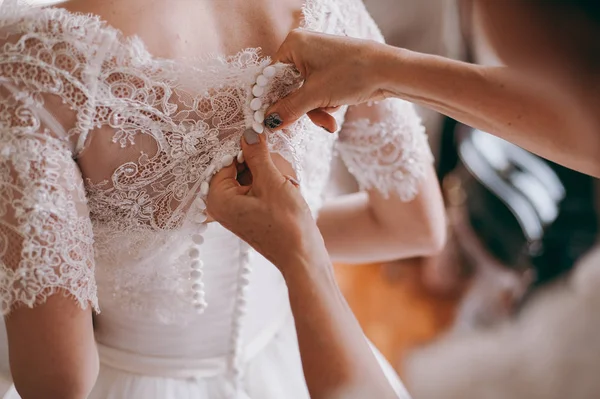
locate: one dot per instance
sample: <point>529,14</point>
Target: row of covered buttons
<point>196,264</point>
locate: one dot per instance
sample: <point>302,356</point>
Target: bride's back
<point>178,29</point>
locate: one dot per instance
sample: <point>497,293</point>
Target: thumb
<point>257,157</point>
<point>291,108</point>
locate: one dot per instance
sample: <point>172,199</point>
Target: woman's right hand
<point>337,71</point>
<point>270,214</point>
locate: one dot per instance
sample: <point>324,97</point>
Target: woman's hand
<point>337,70</point>
<point>270,214</point>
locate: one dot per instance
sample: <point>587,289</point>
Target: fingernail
<point>251,137</point>
<point>327,130</point>
<point>273,121</point>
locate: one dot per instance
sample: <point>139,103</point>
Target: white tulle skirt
<point>275,372</point>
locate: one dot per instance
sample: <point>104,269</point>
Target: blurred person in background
<point>522,222</point>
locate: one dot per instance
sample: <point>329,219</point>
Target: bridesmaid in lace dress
<point>114,116</point>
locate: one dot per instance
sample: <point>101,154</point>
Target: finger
<point>331,110</point>
<point>292,107</point>
<point>257,157</point>
<point>292,180</point>
<point>284,55</point>
<point>225,181</point>
<point>224,190</point>
<point>323,119</point>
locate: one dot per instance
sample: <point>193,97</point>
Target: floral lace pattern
<point>96,135</point>
<point>45,233</point>
<point>387,155</point>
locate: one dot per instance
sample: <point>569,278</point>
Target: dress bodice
<point>103,152</point>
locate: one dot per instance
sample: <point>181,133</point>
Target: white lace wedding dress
<point>103,150</point>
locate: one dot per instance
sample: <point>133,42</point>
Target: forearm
<point>337,360</point>
<point>365,228</point>
<point>498,101</point>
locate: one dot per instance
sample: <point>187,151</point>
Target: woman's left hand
<point>270,214</point>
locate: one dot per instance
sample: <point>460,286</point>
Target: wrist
<point>308,254</point>
<point>390,64</point>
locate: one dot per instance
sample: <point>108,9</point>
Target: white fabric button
<point>200,218</point>
<point>200,204</point>
<point>197,264</point>
<point>201,228</point>
<point>259,116</point>
<point>210,170</point>
<point>262,80</point>
<point>199,307</point>
<point>194,253</point>
<point>196,274</point>
<point>204,187</point>
<point>269,71</point>
<point>244,280</point>
<point>198,287</point>
<point>240,157</point>
<point>198,296</point>
<point>198,239</point>
<point>258,127</point>
<point>226,161</point>
<point>258,91</point>
<point>255,104</point>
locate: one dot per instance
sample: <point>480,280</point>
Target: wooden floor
<point>396,310</point>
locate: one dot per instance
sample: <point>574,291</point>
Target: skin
<point>53,344</point>
<point>545,101</point>
<point>52,350</point>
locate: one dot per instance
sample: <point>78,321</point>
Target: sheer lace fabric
<point>386,151</point>
<point>103,148</point>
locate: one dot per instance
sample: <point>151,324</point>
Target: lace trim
<point>389,156</point>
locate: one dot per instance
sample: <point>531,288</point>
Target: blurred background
<point>516,222</point>
<point>509,212</point>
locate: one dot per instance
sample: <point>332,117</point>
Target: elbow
<point>435,237</point>
<point>425,238</point>
<point>434,223</point>
<point>430,236</point>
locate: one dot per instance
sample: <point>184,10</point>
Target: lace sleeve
<point>385,147</point>
<point>46,244</point>
<point>45,231</point>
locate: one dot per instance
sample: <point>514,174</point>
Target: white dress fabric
<point>103,152</point>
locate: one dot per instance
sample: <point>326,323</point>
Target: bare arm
<point>501,102</point>
<point>52,350</point>
<point>368,227</point>
<point>557,120</point>
<point>337,360</point>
